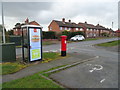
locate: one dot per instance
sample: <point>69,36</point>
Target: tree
<point>10,32</point>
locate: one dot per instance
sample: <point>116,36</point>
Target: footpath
<point>74,57</point>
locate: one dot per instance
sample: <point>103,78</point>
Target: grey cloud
<point>119,15</point>
<point>21,9</point>
<point>44,12</point>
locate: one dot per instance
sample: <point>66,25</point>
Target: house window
<point>61,28</point>
<point>65,28</point>
<point>87,29</point>
<point>50,28</point>
<point>69,29</point>
<point>81,29</point>
<point>76,29</point>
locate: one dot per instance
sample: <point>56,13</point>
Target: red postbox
<point>63,45</point>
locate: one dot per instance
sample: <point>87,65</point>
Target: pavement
<point>72,58</point>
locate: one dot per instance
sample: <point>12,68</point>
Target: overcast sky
<point>103,12</point>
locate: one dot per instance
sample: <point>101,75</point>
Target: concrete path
<point>74,57</point>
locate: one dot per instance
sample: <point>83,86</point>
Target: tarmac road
<point>84,46</point>
<point>99,73</point>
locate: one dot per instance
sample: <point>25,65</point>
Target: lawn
<point>89,39</point>
<point>12,67</point>
<point>97,38</point>
<point>33,81</point>
<point>110,44</point>
<point>8,68</point>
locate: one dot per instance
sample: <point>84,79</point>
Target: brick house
<point>59,26</point>
<point>17,29</point>
<point>117,33</point>
<point>90,30</point>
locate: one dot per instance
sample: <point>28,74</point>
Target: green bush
<point>49,35</point>
<point>104,34</point>
<point>71,34</point>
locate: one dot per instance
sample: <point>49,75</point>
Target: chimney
<point>85,22</point>
<point>63,20</point>
<point>27,21</point>
<point>69,21</point>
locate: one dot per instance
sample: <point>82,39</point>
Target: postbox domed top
<point>63,36</point>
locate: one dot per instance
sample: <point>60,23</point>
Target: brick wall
<point>54,27</point>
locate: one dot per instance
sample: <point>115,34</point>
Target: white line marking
<point>102,80</point>
<point>96,67</point>
<point>53,50</point>
<point>89,64</point>
<point>87,50</point>
<point>45,51</point>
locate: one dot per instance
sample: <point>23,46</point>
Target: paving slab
<point>74,57</point>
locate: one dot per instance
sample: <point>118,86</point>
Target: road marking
<point>89,64</point>
<point>87,50</point>
<point>53,50</point>
<point>72,48</point>
<point>45,51</point>
<point>102,80</point>
<point>96,67</point>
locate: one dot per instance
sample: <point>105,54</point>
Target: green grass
<point>8,68</point>
<point>89,39</point>
<point>47,43</point>
<point>47,74</point>
<point>36,81</point>
<point>12,67</point>
<point>110,44</point>
<point>18,46</point>
<point>97,38</point>
<point>33,81</point>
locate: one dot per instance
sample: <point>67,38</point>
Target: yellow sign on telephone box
<point>35,54</point>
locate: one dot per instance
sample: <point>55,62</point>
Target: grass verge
<point>9,67</point>
<point>33,81</point>
<point>109,44</point>
<point>12,67</point>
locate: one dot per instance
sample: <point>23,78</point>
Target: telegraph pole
<point>3,23</point>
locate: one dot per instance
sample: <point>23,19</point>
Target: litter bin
<point>8,52</point>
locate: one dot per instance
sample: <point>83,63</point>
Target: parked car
<point>77,38</point>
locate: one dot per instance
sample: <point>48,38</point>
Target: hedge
<point>49,35</point>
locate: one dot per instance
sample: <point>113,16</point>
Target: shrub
<point>71,34</point>
<point>49,35</point>
<point>104,34</point>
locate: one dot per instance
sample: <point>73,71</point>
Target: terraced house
<point>17,29</point>
<point>90,30</point>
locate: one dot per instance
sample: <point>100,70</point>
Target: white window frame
<point>77,29</point>
<point>61,28</point>
<point>65,28</point>
<point>87,29</point>
<point>69,28</point>
<point>81,29</point>
<point>50,28</point>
